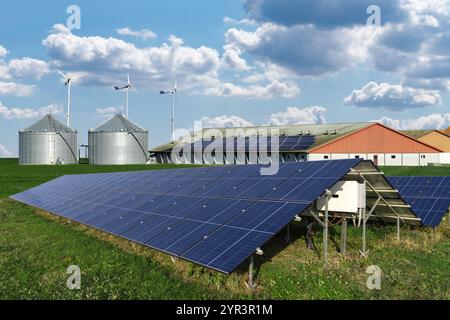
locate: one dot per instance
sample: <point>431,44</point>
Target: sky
<point>237,63</point>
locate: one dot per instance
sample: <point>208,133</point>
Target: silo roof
<point>118,123</point>
<point>48,124</point>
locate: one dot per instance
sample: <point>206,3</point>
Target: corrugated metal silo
<point>48,141</point>
<point>118,141</point>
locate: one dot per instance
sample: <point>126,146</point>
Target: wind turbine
<point>172,92</point>
<point>125,89</point>
<point>68,83</point>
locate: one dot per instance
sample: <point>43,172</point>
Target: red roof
<point>376,138</point>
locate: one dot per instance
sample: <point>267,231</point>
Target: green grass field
<point>36,248</point>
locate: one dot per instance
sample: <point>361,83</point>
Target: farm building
<point>366,140</point>
<point>447,131</point>
<point>434,138</point>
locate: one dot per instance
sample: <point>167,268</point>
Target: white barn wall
<point>410,159</point>
<point>444,158</point>
<point>358,155</point>
<point>430,158</point>
<point>318,156</point>
<point>385,159</point>
<point>389,161</point>
<point>338,156</point>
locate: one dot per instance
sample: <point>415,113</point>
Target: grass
<point>417,171</point>
<point>36,248</point>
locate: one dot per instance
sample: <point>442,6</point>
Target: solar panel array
<point>216,216</point>
<point>429,197</point>
<point>246,144</point>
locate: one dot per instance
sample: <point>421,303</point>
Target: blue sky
<point>236,62</point>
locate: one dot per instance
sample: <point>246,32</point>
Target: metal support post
<point>363,251</point>
<point>309,236</point>
<point>365,218</point>
<point>250,283</point>
<point>398,229</point>
<point>288,235</point>
<point>325,230</point>
<point>343,246</point>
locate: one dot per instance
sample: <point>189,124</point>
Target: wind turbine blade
<point>62,73</point>
<point>175,86</point>
<point>128,78</point>
<point>132,88</point>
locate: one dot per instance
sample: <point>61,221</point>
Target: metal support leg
<point>343,246</point>
<point>325,231</point>
<point>309,237</point>
<point>288,235</point>
<point>364,225</point>
<point>251,284</point>
<point>398,229</point>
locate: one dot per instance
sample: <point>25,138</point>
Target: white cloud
<point>24,68</point>
<point>231,59</point>
<point>394,97</point>
<point>3,51</point>
<point>432,121</point>
<point>293,116</point>
<point>4,153</point>
<point>304,49</point>
<point>16,89</point>
<point>27,113</point>
<point>15,70</point>
<point>428,13</point>
<point>321,37</point>
<point>28,68</point>
<point>431,84</point>
<point>107,111</point>
<point>143,34</point>
<point>322,13</point>
<point>103,60</point>
<point>225,122</point>
<point>275,88</point>
<point>244,22</point>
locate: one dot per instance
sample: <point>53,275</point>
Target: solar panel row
<point>285,143</point>
<point>216,216</point>
<point>429,197</point>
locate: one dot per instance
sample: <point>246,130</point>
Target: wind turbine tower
<point>172,93</point>
<point>126,88</point>
<point>68,83</point>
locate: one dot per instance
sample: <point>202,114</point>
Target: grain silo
<point>118,141</point>
<point>48,141</point>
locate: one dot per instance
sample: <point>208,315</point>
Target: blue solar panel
<point>215,216</point>
<point>429,197</point>
<point>254,143</point>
